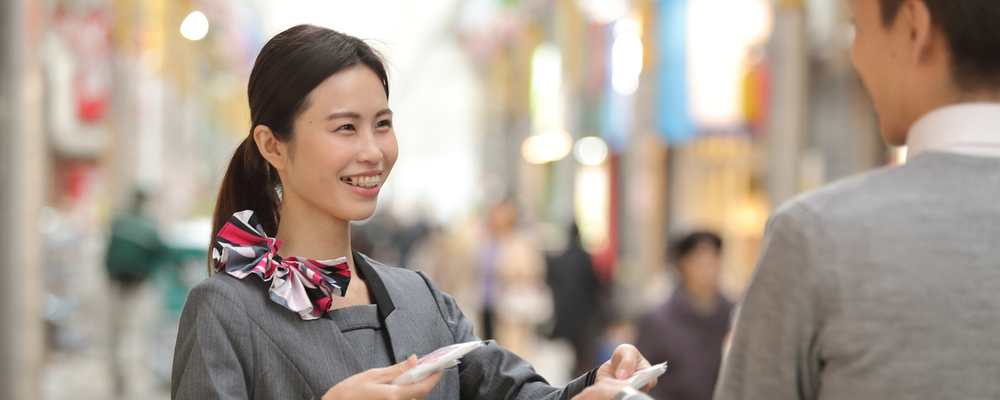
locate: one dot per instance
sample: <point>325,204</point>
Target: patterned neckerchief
<point>299,284</point>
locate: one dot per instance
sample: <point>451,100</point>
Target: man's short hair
<point>687,244</point>
<point>973,31</point>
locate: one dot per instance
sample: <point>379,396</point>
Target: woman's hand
<point>610,389</point>
<point>602,390</point>
<point>624,362</point>
<point>376,384</point>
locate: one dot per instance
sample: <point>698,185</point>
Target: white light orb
<point>626,63</point>
<point>591,150</point>
<point>195,26</point>
<point>547,147</point>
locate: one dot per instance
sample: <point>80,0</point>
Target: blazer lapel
<point>398,337</point>
<point>391,317</point>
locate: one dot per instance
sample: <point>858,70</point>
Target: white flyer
<point>441,359</point>
<point>642,378</point>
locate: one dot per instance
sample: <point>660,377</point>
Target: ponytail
<point>250,184</point>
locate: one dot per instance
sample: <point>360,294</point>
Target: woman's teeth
<point>366,182</point>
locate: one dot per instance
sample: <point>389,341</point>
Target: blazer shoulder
<point>394,274</point>
<point>221,287</point>
<point>402,280</point>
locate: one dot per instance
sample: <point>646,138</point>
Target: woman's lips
<point>365,185</point>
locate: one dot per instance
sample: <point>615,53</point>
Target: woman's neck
<point>307,232</point>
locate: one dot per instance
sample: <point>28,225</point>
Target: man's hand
<point>624,362</point>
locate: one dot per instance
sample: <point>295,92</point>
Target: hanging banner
<point>78,72</point>
<point>673,110</point>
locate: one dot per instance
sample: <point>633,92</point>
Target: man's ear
<point>273,150</point>
<point>920,27</point>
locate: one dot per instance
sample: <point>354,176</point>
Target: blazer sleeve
<point>773,354</point>
<point>493,372</point>
<point>213,354</point>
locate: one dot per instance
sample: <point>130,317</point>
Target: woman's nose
<point>370,152</point>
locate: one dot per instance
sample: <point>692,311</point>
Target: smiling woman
<point>300,315</point>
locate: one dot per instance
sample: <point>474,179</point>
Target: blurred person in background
<point>512,276</point>
<point>301,315</point>
<point>688,330</point>
<point>410,238</point>
<point>577,296</point>
<point>134,250</point>
<point>884,286</point>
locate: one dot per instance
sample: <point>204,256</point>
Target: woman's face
<point>343,147</point>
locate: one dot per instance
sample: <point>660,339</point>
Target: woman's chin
<point>360,213</point>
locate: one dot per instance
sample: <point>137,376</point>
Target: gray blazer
<point>883,286</point>
<point>235,343</point>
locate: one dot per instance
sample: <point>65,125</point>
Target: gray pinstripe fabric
<point>235,343</point>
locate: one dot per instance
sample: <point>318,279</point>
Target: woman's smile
<point>366,184</point>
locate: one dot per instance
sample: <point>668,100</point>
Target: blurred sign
<point>78,72</point>
<point>721,35</point>
<point>674,117</point>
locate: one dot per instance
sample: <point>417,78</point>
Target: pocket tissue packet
<point>441,359</point>
<point>642,378</point>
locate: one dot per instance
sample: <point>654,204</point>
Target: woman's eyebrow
<point>354,115</point>
<point>343,114</point>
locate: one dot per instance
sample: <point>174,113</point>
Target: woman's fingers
<point>388,374</point>
<point>418,390</point>
<point>625,361</point>
<point>601,391</point>
<point>650,385</point>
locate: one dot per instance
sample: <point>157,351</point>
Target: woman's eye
<point>384,124</point>
<point>347,127</point>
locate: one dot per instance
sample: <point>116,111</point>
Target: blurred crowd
<point>536,292</point>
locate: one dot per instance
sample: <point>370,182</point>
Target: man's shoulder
<point>858,196</point>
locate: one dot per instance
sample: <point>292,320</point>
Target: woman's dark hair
<point>683,247</point>
<point>287,69</point>
<point>972,28</point>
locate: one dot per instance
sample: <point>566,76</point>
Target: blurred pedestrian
<point>134,250</point>
<point>409,238</point>
<point>885,285</point>
<point>512,275</point>
<point>688,330</point>
<point>577,293</point>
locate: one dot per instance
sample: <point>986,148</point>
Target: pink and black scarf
<point>298,284</point>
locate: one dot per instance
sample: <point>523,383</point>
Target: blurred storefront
<point>109,98</point>
<point>705,114</point>
<point>639,120</point>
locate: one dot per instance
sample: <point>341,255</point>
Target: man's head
<point>918,55</point>
<point>698,257</point>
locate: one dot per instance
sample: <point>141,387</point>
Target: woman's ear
<point>273,150</point>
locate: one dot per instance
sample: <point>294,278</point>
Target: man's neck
<point>702,301</point>
<point>950,94</point>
